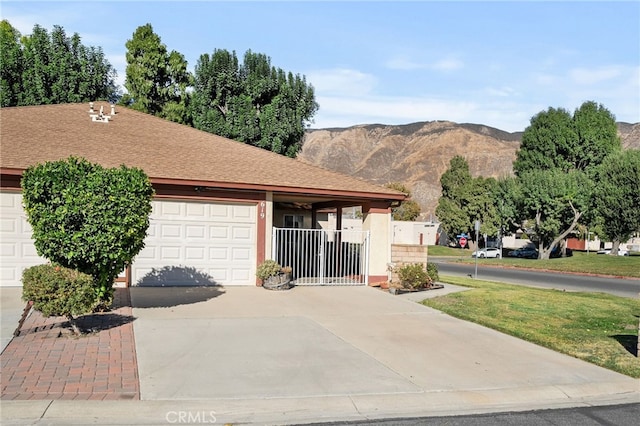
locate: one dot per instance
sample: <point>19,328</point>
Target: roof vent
<point>101,116</point>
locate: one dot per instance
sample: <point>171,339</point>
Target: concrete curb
<point>279,411</point>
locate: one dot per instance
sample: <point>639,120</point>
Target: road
<point>619,415</point>
<point>569,282</point>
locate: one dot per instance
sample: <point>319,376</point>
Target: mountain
<point>417,154</point>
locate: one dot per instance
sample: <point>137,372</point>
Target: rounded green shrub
<point>58,291</point>
<point>413,275</point>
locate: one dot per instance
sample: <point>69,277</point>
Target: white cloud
<point>503,91</point>
<point>349,111</point>
<point>448,64</point>
<point>343,81</point>
<point>405,63</point>
<point>586,76</point>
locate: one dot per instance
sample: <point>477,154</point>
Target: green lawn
<point>595,327</point>
<point>626,266</point>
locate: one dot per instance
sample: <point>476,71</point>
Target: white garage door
<point>198,243</point>
<point>17,251</point>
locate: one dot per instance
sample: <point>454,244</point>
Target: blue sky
<point>495,63</point>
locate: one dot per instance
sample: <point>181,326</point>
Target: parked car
<point>524,252</point>
<point>557,252</point>
<point>488,252</point>
<point>621,252</point>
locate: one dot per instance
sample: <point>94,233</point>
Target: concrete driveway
<point>11,309</point>
<point>339,353</point>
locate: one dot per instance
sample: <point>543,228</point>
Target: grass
<point>591,263</point>
<point>595,327</point>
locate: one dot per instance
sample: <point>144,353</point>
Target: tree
<point>44,68</point>
<point>408,209</point>
<point>450,209</point>
<point>617,196</point>
<point>555,201</point>
<point>11,63</point>
<point>88,218</point>
<point>507,199</point>
<point>555,165</point>
<point>466,199</point>
<point>156,80</point>
<point>252,102</point>
<point>557,140</point>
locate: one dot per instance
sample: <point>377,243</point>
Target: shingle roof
<point>163,149</point>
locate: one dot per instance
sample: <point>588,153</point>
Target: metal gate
<point>323,257</point>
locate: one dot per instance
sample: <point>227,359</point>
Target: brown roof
<point>166,151</point>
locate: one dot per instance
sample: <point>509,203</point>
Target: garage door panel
<point>29,251</point>
<point>196,232</point>
<point>215,240</point>
<point>241,275</point>
<point>8,250</point>
<point>244,212</point>
<point>170,209</point>
<point>171,231</point>
<point>240,254</point>
<point>17,251</point>
<point>195,253</point>
<point>219,253</point>
<point>193,210</point>
<point>8,226</point>
<point>241,233</point>
<point>171,254</point>
<point>219,232</point>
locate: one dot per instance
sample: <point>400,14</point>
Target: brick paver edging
<point>45,362</point>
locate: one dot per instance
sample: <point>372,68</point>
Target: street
<point>619,415</point>
<point>561,281</point>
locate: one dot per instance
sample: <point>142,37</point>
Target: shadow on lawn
<point>629,342</point>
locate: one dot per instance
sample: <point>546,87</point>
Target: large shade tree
<point>554,201</point>
<point>556,164</point>
<point>50,68</point>
<point>617,196</point>
<point>252,102</point>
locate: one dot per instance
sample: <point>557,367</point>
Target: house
<point>220,205</point>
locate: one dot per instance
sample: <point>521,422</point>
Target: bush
<point>413,275</point>
<point>268,268</point>
<point>87,217</point>
<point>59,291</point>
<point>432,271</point>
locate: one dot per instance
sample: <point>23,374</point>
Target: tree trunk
<point>545,252</point>
<point>615,248</point>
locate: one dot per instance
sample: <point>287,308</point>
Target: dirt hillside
<point>417,154</point>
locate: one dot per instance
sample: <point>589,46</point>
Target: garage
<point>198,243</point>
<point>216,199</point>
<point>17,250</point>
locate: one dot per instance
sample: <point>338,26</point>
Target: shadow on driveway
<point>172,286</point>
<point>166,297</point>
